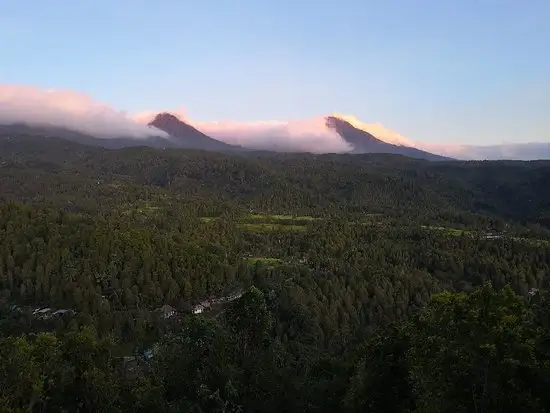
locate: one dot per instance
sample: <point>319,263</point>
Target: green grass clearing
<point>448,231</point>
<point>282,217</point>
<point>458,232</point>
<point>532,241</point>
<point>264,260</point>
<point>271,227</point>
<point>146,208</point>
<point>264,217</point>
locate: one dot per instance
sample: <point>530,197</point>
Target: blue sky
<point>464,71</point>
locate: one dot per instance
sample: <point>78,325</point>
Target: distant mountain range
<point>174,133</point>
<point>183,135</point>
<point>72,115</point>
<point>21,129</point>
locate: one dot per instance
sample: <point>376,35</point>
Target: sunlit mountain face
<point>364,142</point>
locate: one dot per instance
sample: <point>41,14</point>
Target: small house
<point>533,291</point>
<point>61,312</point>
<point>42,312</point>
<point>168,311</point>
<point>198,309</point>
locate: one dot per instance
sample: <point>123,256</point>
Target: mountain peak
<point>186,135</point>
<point>376,129</point>
<point>380,140</point>
<point>164,117</point>
<point>172,125</point>
<point>335,122</point>
<point>357,137</point>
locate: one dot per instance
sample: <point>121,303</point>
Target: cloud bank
<point>511,151</point>
<point>309,135</point>
<point>79,112</point>
<point>291,135</point>
<point>67,109</point>
<point>313,136</point>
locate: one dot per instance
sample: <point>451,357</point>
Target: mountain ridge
<point>22,129</point>
<point>183,135</point>
<point>365,142</point>
<point>186,136</point>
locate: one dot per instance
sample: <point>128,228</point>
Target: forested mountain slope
<point>342,261</point>
<point>388,184</point>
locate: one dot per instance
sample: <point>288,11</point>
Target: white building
<point>168,311</point>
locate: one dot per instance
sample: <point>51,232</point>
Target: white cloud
<point>68,109</point>
<point>76,111</point>
<point>377,129</point>
<point>510,151</point>
<point>292,135</point>
<point>313,136</point>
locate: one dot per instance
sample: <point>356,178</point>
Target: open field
<point>533,241</point>
<point>262,227</point>
<point>448,231</point>
<point>146,208</point>
<point>282,217</point>
<point>262,223</point>
<point>264,260</point>
<point>269,223</point>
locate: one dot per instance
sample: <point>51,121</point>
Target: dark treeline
<point>339,311</point>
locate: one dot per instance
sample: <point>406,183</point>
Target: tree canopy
<point>152,280</point>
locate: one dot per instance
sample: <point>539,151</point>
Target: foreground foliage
<point>466,352</point>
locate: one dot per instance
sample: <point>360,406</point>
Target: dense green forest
<point>152,280</point>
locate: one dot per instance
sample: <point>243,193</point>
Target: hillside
<point>23,130</point>
<point>282,183</point>
<point>180,135</point>
<point>355,280</point>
